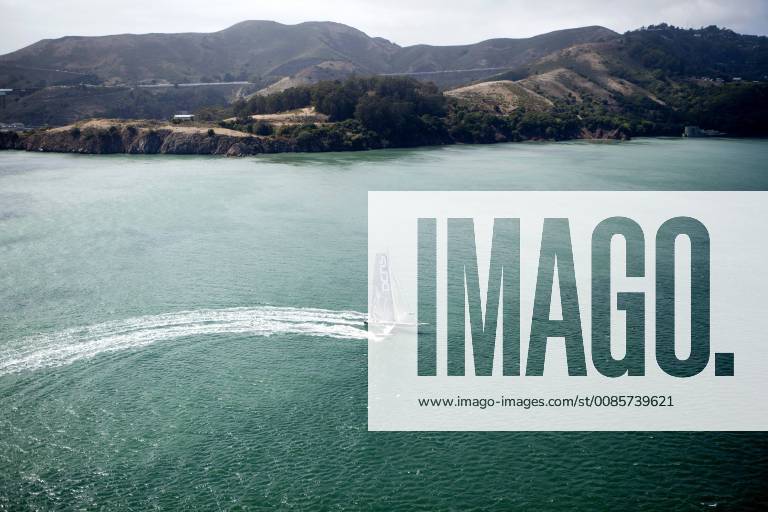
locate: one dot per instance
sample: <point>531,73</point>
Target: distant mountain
<point>648,81</point>
<point>264,51</point>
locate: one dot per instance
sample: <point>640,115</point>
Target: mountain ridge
<point>259,50</point>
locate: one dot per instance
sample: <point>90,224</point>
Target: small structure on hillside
<point>13,127</point>
<point>183,116</point>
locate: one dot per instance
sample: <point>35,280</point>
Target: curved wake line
<point>70,345</point>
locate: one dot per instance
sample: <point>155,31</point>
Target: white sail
<point>387,311</point>
<point>382,293</point>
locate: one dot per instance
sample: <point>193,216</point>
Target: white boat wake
<point>70,345</point>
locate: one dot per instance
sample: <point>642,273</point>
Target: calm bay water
<point>185,332</point>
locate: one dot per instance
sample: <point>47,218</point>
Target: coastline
<point>142,140</point>
<point>146,138</point>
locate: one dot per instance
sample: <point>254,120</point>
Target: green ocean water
<point>185,333</point>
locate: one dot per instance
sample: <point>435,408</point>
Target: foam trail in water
<point>65,347</point>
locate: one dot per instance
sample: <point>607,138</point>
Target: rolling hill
<point>650,80</point>
<point>262,50</point>
<point>584,72</point>
<point>248,50</point>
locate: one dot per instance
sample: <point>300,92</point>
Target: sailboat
<point>387,311</point>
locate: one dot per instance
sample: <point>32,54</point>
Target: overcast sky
<point>405,22</point>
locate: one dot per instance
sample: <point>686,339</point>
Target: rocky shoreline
<point>142,141</point>
<point>130,139</point>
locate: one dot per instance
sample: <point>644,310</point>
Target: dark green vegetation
<point>364,113</point>
<point>711,77</point>
<point>736,109</point>
<point>656,80</point>
<point>708,52</point>
<point>379,112</point>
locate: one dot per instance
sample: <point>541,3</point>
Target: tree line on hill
<point>378,112</point>
<point>373,112</point>
<point>711,52</point>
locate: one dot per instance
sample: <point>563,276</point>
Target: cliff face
<point>135,140</point>
<point>142,141</point>
<point>599,133</point>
